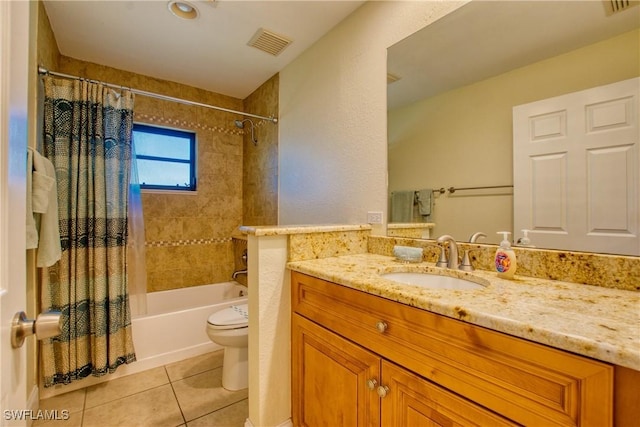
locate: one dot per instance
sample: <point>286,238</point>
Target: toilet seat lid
<point>231,316</point>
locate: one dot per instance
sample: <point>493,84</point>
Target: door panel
<point>332,374</point>
<point>14,48</point>
<point>576,169</point>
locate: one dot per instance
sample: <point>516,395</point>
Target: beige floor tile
<point>232,416</point>
<point>125,386</point>
<point>72,401</point>
<point>195,365</point>
<point>203,393</point>
<point>156,407</point>
<point>74,419</point>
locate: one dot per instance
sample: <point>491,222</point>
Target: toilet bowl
<point>229,328</point>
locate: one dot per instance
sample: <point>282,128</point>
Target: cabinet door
<point>330,377</point>
<point>414,401</point>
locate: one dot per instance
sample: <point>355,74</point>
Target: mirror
<point>453,84</point>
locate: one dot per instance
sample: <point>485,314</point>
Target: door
<point>334,380</point>
<point>576,170</point>
<point>14,49</point>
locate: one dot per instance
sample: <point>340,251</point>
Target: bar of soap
<point>408,253</point>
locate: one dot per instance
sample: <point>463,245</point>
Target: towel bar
<point>452,190</point>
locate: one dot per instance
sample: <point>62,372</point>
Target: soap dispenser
<point>524,240</point>
<point>505,258</point>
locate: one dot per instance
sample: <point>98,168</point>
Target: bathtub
<point>174,327</point>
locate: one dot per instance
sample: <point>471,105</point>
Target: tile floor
<point>187,393</point>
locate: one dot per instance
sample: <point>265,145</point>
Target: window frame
<point>162,131</point>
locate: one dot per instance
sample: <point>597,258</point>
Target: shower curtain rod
<point>274,120</point>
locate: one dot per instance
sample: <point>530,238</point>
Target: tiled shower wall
<point>260,162</point>
<point>188,235</point>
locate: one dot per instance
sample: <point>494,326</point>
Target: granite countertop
<point>593,321</point>
<point>279,230</point>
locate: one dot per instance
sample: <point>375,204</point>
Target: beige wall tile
<point>177,224</point>
<point>211,214</point>
<point>260,163</point>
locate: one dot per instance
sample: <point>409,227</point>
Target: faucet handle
<point>442,259</point>
<point>466,265</point>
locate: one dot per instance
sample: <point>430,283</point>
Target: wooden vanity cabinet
<point>349,346</point>
<point>338,383</point>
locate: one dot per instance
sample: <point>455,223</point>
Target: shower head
<point>240,124</point>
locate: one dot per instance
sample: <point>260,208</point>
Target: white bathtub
<point>174,327</point>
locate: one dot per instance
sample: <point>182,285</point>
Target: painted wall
<point>333,114</point>
<point>463,138</point>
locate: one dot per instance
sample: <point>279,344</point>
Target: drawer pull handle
<point>372,383</point>
<point>383,390</point>
<point>382,326</point>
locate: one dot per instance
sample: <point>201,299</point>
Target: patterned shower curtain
<point>87,136</point>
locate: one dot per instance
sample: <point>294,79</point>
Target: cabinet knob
<point>382,326</point>
<point>372,383</point>
<point>383,390</point>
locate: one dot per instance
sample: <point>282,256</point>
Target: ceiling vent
<point>269,42</point>
<point>614,6</point>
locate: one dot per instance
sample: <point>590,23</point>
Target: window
<point>165,158</point>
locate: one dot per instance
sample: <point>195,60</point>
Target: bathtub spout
<point>236,273</point>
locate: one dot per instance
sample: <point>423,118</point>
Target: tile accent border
<point>187,242</point>
<point>183,124</point>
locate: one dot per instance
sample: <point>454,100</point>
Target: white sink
<point>432,281</point>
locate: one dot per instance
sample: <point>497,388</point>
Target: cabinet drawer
<point>529,383</point>
<point>414,401</point>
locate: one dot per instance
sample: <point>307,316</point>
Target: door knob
<point>46,325</point>
<point>383,390</point>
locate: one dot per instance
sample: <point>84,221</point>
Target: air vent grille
<point>614,6</point>
<point>269,42</point>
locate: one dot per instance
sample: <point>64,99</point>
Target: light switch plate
<point>374,217</point>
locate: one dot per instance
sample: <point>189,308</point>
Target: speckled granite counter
<point>589,320</point>
<point>278,230</point>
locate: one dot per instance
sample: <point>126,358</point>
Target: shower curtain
<point>87,136</point>
<point>136,258</point>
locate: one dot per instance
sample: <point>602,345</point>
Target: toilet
<point>229,328</point>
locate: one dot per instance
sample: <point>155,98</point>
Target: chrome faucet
<point>475,236</point>
<point>236,273</point>
<point>453,251</point>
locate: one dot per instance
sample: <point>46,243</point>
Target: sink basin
<point>432,281</point>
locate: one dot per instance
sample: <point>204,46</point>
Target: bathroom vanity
<point>367,352</point>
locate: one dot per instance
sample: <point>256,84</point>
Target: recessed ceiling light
<point>183,9</point>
